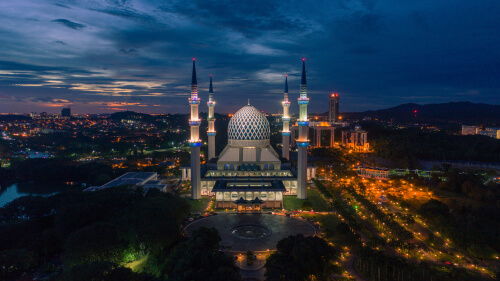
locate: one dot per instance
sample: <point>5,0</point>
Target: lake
<point>14,191</point>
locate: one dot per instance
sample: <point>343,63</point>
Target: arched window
<point>226,167</point>
<point>265,166</point>
<point>271,167</point>
<point>231,167</point>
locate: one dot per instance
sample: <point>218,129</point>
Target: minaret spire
<point>210,89</point>
<point>285,153</point>
<point>195,141</point>
<point>194,81</point>
<point>211,121</point>
<point>286,87</point>
<point>303,80</point>
<point>302,142</point>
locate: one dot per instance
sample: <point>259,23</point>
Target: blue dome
<point>248,124</point>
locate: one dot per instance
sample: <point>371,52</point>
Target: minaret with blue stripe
<point>302,141</point>
<point>195,141</point>
<point>285,153</point>
<point>211,122</point>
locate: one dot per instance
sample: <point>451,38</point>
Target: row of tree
<point>378,266</point>
<point>398,232</point>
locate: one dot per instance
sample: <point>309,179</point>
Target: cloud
<point>374,53</point>
<point>70,24</point>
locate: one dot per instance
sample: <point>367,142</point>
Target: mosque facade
<point>248,174</point>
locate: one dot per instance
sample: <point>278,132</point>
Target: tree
<point>102,271</point>
<point>14,262</point>
<point>301,258</point>
<point>433,208</point>
<point>96,243</point>
<point>197,258</point>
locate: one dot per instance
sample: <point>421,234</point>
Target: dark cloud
<point>373,53</point>
<point>70,24</point>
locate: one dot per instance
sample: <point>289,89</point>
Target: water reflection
<point>15,191</point>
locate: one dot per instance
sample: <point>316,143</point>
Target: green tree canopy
<point>299,258</point>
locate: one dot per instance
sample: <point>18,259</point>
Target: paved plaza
<point>253,232</point>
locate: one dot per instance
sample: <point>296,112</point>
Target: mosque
<point>248,174</point>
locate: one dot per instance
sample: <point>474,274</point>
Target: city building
<point>491,132</point>
<point>476,130</point>
<point>143,179</point>
<point>373,173</point>
<point>470,130</point>
<point>356,139</point>
<point>333,109</point>
<point>66,112</point>
<point>248,173</point>
<point>322,134</point>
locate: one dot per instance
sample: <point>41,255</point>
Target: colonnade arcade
<point>270,199</point>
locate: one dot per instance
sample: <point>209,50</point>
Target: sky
<point>99,56</point>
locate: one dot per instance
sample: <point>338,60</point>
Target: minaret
<point>286,119</point>
<point>195,141</point>
<point>211,121</point>
<point>302,142</point>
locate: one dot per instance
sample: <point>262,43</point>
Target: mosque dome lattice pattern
<point>248,124</point>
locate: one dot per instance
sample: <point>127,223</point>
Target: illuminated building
<point>373,173</point>
<point>333,109</point>
<point>248,173</point>
<point>356,139</point>
<point>470,130</point>
<point>321,133</point>
<point>491,132</point>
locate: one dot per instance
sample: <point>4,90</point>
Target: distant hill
<point>131,115</point>
<point>462,112</point>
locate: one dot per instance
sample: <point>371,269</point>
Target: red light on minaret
<point>210,75</point>
<point>286,75</point>
<point>193,58</point>
<point>303,58</point>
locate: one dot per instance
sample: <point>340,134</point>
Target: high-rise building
<point>66,112</point>
<point>333,111</point>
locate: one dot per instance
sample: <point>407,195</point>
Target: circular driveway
<point>279,226</point>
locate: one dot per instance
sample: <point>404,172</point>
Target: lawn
<point>197,206</point>
<point>290,202</point>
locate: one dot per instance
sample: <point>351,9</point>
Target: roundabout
<point>252,232</point>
